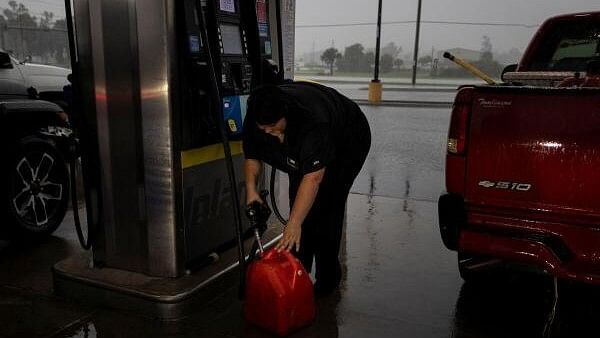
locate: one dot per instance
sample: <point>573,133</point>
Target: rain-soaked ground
<point>399,280</point>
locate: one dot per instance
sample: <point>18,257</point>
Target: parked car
<point>523,159</point>
<point>36,142</point>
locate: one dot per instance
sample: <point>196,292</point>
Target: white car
<point>48,81</point>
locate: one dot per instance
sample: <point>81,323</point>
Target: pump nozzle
<point>258,215</point>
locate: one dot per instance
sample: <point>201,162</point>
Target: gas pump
<point>231,60</point>
<point>223,62</point>
<point>163,87</point>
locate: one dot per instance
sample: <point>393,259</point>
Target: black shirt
<point>320,127</point>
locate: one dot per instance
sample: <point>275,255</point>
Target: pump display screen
<point>227,6</point>
<point>232,41</point>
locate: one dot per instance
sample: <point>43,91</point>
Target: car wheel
<point>37,189</point>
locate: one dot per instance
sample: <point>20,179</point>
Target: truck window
<point>568,46</point>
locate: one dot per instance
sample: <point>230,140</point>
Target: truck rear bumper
<point>564,250</point>
<point>527,251</point>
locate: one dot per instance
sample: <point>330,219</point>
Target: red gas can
<point>279,293</point>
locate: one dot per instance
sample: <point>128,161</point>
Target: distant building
<point>510,57</point>
<point>468,55</point>
<point>311,58</point>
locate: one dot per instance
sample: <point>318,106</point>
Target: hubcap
<point>32,201</point>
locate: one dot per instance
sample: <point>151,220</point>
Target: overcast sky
<point>528,12</point>
<point>438,36</point>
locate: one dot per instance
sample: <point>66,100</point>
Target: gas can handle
<point>294,262</point>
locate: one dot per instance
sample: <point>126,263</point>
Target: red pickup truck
<point>523,159</point>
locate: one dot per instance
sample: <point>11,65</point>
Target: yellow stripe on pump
<point>214,152</point>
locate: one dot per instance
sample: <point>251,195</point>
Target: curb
<point>429,104</point>
<point>416,89</point>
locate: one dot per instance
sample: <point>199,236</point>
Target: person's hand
<point>291,237</point>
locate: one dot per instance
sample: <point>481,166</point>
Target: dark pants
<point>322,228</point>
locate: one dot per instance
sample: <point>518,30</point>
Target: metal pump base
<point>156,297</point>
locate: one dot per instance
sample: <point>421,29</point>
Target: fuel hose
<point>274,199</point>
<point>76,107</point>
<point>85,244</point>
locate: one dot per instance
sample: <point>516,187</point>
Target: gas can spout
<point>260,245</point>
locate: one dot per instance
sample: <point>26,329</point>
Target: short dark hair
<point>268,104</point>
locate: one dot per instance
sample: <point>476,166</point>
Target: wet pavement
<point>399,280</point>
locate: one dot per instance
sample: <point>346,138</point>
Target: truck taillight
<point>457,141</point>
<point>457,135</point>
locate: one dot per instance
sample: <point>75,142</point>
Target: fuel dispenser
<point>215,41</point>
<point>162,88</point>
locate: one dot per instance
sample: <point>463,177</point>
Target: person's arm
<point>307,193</point>
<point>252,169</point>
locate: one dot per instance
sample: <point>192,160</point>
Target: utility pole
<point>375,87</point>
<point>377,43</point>
<point>416,55</point>
<point>431,64</point>
<point>21,30</point>
<point>2,36</point>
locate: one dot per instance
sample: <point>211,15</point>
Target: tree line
<point>357,59</point>
<point>43,37</point>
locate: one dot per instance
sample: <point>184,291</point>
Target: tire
<point>36,189</point>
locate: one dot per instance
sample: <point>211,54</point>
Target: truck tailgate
<point>535,153</point>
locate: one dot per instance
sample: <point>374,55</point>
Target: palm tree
<point>329,56</point>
